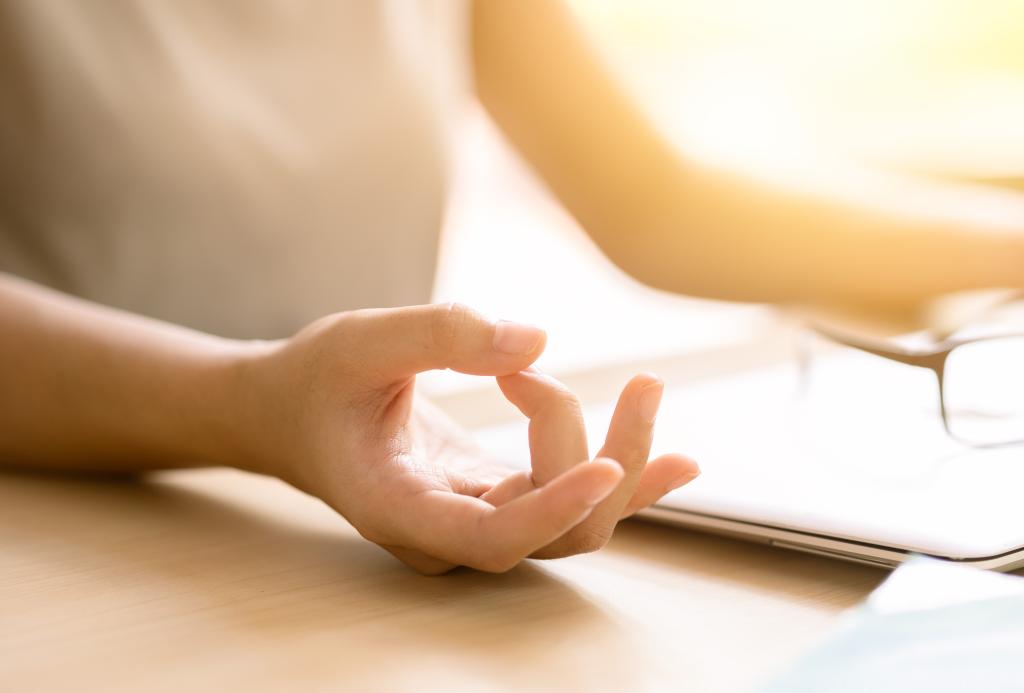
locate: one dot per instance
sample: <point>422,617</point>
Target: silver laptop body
<point>850,461</point>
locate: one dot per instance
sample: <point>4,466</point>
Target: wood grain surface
<point>220,580</point>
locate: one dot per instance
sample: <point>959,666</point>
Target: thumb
<point>406,341</point>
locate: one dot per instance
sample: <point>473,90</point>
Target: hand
<point>333,411</point>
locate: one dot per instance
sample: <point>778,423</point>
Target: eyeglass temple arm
<point>923,358</point>
<point>947,327</point>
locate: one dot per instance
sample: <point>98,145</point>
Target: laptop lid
<point>856,451</point>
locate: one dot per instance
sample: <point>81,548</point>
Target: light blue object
<point>933,627</point>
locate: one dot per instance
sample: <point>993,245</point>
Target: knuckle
<point>372,535</point>
<point>340,331</point>
<point>588,538</point>
<point>348,321</point>
<point>447,322</point>
<point>564,400</point>
<point>568,398</point>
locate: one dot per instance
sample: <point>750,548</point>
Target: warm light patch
<point>923,85</point>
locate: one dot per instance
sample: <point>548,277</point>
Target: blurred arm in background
<point>870,243</point>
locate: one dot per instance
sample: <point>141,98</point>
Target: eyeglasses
<point>981,382</point>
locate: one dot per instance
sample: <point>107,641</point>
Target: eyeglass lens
<point>983,391</point>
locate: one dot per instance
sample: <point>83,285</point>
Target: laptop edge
<point>808,542</point>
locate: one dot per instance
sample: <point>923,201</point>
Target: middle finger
<point>628,442</point>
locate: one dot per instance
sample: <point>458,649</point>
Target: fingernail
<point>681,480</point>
<point>516,338</point>
<point>650,399</point>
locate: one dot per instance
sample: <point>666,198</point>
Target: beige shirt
<point>239,166</point>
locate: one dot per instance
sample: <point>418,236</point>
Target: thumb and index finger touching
<point>451,335</point>
<point>407,341</point>
<point>419,338</point>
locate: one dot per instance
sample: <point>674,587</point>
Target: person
<point>243,169</point>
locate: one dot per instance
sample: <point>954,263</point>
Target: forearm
<point>863,240</point>
<point>87,387</point>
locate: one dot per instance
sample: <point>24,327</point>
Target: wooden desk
<point>220,580</point>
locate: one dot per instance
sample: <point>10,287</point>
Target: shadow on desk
<point>199,577</point>
<point>134,578</point>
<point>786,573</point>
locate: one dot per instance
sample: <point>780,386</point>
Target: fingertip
<point>675,470</point>
<point>679,482</point>
<point>528,388</point>
<point>608,470</point>
<point>604,476</point>
<point>512,385</point>
<point>518,376</point>
<point>639,384</point>
<point>676,461</point>
<point>531,372</point>
<point>540,347</point>
<point>688,463</point>
<point>518,339</point>
<point>645,379</point>
<point>641,397</point>
<point>649,401</point>
<point>593,481</point>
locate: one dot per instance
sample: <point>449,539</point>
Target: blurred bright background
<point>926,85</point>
<point>930,87</point>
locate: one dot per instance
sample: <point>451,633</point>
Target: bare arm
<point>94,388</point>
<point>333,411</point>
<point>676,224</point>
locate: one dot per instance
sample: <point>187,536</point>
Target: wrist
<point>226,427</point>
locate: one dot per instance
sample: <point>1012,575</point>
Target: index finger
<point>558,438</point>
